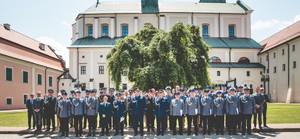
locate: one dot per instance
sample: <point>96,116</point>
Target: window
<point>274,69</point>
<point>62,84</point>
<point>8,73</point>
<point>205,30</point>
<point>104,31</point>
<point>294,64</point>
<point>244,60</point>
<point>248,73</point>
<point>101,85</point>
<point>218,73</point>
<point>293,48</point>
<point>39,79</point>
<point>231,30</point>
<point>101,69</point>
<point>282,51</point>
<point>261,72</point>
<point>267,57</point>
<point>274,55</point>
<point>283,67</point>
<point>25,77</point>
<point>251,85</point>
<point>215,59</point>
<point>83,70</point>
<point>25,97</point>
<point>125,72</point>
<point>83,86</point>
<point>9,101</point>
<point>260,60</point>
<point>267,70</point>
<point>50,81</point>
<point>90,30</point>
<point>124,30</point>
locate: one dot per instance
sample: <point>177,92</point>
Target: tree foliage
<point>156,58</point>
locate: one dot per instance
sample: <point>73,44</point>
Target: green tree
<point>156,58</point>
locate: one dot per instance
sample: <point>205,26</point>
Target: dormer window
<point>42,46</point>
<point>231,30</point>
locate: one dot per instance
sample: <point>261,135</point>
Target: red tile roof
<point>285,35</point>
<point>44,57</point>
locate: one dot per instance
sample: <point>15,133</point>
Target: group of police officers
<point>204,108</point>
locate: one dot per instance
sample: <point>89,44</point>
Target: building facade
<point>26,66</point>
<point>226,27</point>
<point>280,57</point>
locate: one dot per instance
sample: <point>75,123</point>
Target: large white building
<point>280,56</point>
<point>225,26</point>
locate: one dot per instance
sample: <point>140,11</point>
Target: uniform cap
<point>191,90</point>
<point>241,86</point>
<point>219,92</point>
<point>181,89</point>
<point>232,89</point>
<point>50,91</point>
<point>206,91</point>
<point>77,91</point>
<point>177,93</point>
<point>168,88</point>
<point>72,91</point>
<point>246,88</point>
<point>118,94</point>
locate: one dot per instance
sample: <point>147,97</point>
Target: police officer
<point>239,93</point>
<point>265,107</point>
<point>259,101</point>
<point>37,108</point>
<point>104,114</point>
<point>161,108</point>
<point>219,111</point>
<point>71,119</point>
<point>137,108</point>
<point>192,110</point>
<point>119,112</point>
<point>150,111</point>
<point>247,105</point>
<point>64,112</point>
<point>78,109</point>
<point>92,106</point>
<point>29,106</point>
<point>49,107</point>
<point>85,119</point>
<point>177,111</point>
<point>206,111</point>
<point>129,97</point>
<point>59,97</point>
<point>111,99</point>
<point>232,111</point>
<point>169,97</point>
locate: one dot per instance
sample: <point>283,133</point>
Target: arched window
<point>124,28</point>
<point>231,30</point>
<point>244,60</point>
<point>205,30</point>
<point>215,59</point>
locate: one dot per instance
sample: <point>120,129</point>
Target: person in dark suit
<point>85,118</point>
<point>104,114</point>
<point>137,108</point>
<point>29,106</point>
<point>119,112</point>
<point>37,108</point>
<point>264,111</point>
<point>259,100</point>
<point>49,109</point>
<point>150,111</point>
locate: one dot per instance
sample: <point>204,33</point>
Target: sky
<point>49,21</point>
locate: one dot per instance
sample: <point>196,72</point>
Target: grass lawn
<point>277,113</point>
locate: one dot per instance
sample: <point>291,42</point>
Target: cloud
<point>58,47</point>
<point>273,23</point>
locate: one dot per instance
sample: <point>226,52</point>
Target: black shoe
<point>53,129</point>
<point>122,134</point>
<point>229,133</point>
<point>249,133</point>
<point>48,129</point>
<point>62,134</point>
<point>265,126</point>
<point>157,134</point>
<point>174,134</point>
<point>76,135</point>
<point>88,135</point>
<point>243,134</point>
<point>148,130</point>
<point>67,135</point>
<point>135,134</point>
<point>116,134</point>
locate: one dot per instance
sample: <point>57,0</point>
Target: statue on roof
<point>97,3</point>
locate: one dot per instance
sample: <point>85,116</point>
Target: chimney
<point>6,26</point>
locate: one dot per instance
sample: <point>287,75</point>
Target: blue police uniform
<point>161,109</point>
<point>64,112</point>
<point>206,112</point>
<point>232,112</point>
<point>78,110</point>
<point>119,110</point>
<point>92,105</point>
<point>177,111</point>
<point>192,110</point>
<point>219,111</point>
<point>137,107</point>
<point>247,105</point>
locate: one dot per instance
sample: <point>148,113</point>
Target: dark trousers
<point>64,125</point>
<point>125,120</point>
<point>44,119</point>
<point>92,123</point>
<point>170,122</point>
<point>150,121</point>
<point>232,123</point>
<point>201,121</point>
<point>50,118</point>
<point>137,120</point>
<point>207,124</point>
<point>239,121</point>
<point>119,126</point>
<point>71,120</point>
<point>29,115</point>
<point>246,119</point>
<point>130,119</point>
<point>265,116</point>
<point>38,120</point>
<point>85,119</point>
<point>78,124</point>
<point>160,125</point>
<point>219,124</point>
<point>257,115</point>
<point>176,119</point>
<point>104,124</point>
<point>193,118</point>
